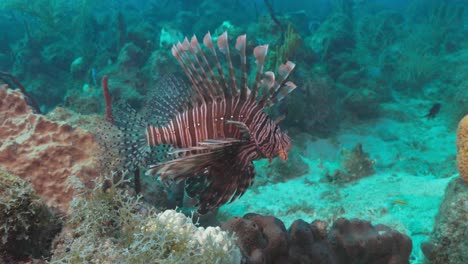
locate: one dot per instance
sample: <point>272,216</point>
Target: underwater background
<point>375,123</point>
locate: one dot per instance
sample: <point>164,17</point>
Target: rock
<point>448,242</point>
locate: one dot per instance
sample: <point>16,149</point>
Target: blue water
<point>367,72</point>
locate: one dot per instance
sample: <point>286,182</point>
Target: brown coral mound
<point>264,239</point>
<point>42,151</point>
<point>462,148</point>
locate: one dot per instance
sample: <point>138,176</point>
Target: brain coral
<point>462,148</point>
<point>42,151</point>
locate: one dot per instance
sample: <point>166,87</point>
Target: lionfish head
<point>281,145</point>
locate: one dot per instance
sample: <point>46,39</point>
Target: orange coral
<point>44,152</point>
<point>462,148</point>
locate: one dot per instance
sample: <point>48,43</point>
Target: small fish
<point>400,202</point>
<point>433,111</point>
<point>215,128</point>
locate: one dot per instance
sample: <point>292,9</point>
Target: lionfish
<point>215,128</point>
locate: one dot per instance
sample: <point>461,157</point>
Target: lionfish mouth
<point>283,154</point>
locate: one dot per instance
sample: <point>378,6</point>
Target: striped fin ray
<point>276,91</point>
<point>182,54</point>
<point>223,46</point>
<point>197,52</point>
<point>208,42</point>
<point>260,53</point>
<point>209,84</point>
<point>240,46</point>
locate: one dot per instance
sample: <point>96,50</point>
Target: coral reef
<point>44,152</point>
<point>122,229</point>
<point>27,226</point>
<point>314,107</point>
<point>448,241</point>
<point>264,239</point>
<point>462,148</point>
<point>355,164</point>
<point>279,171</point>
<point>334,36</point>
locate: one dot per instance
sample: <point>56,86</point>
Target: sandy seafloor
<point>414,161</point>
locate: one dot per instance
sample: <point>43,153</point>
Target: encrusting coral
<point>42,151</point>
<point>462,148</point>
<point>264,239</point>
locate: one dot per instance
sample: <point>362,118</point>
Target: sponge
<point>462,148</point>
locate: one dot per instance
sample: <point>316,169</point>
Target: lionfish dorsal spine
<point>196,49</point>
<point>260,53</point>
<point>223,46</point>
<point>209,83</point>
<point>240,46</point>
<point>180,56</point>
<point>198,72</point>
<point>208,42</point>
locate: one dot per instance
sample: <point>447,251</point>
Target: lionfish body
<point>215,128</point>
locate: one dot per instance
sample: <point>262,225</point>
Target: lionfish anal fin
<point>233,178</point>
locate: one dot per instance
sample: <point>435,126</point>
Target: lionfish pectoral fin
<point>180,168</point>
<point>193,160</point>
<point>230,180</point>
<point>244,129</point>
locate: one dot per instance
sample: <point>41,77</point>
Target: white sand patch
<point>414,163</point>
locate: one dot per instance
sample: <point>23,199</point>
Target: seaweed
<point>107,224</point>
<point>27,225</point>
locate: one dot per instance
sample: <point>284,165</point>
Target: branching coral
<point>109,226</point>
